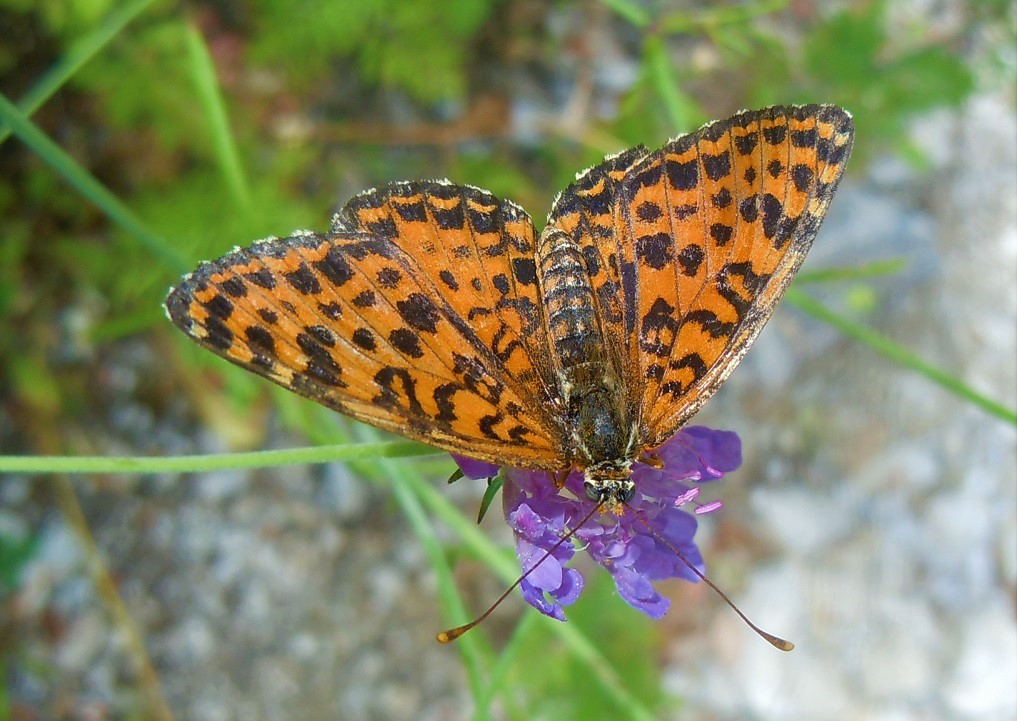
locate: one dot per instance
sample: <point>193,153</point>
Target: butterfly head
<point>610,483</point>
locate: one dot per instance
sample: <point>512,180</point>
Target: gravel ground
<point>887,504</point>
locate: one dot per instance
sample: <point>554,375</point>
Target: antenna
<point>452,634</point>
<point>775,641</point>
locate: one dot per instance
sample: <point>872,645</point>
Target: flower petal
<point>536,598</point>
<point>473,469</point>
<point>540,512</point>
<point>718,451</point>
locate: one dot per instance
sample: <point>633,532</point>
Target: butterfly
<point>438,312</point>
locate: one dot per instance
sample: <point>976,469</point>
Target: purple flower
<point>540,514</point>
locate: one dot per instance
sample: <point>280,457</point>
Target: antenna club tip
<point>451,634</point>
<point>777,642</point>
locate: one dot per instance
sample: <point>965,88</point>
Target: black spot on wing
<point>683,176</point>
<point>648,211</point>
<point>234,287</point>
<point>773,209</point>
<point>745,144</point>
<point>804,138</point>
<point>259,338</point>
<point>801,176</point>
<point>721,233</point>
<point>717,166</point>
<point>749,208</point>
<point>331,310</point>
<point>691,258</point>
<point>389,277</point>
<point>411,212</point>
<point>303,280</point>
<point>334,267</point>
<point>419,312</point>
<point>262,278</point>
<point>775,135</point>
<point>446,277</point>
<point>524,270</point>
<point>364,338</point>
<point>365,299</point>
<point>654,250</point>
<point>406,342</point>
<point>219,306</point>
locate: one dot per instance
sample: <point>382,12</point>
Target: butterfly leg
<point>560,477</point>
<point>652,460</point>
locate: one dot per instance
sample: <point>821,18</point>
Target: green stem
<point>899,354</point>
<point>197,464</point>
<point>210,96</point>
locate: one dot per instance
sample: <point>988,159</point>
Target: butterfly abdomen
<point>586,377</point>
<point>576,339</point>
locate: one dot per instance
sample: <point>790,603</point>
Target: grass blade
<point>681,109</point>
<point>899,354</point>
<point>633,13</point>
<point>83,51</point>
<point>875,269</point>
<point>212,462</point>
<point>86,184</point>
<point>209,95</point>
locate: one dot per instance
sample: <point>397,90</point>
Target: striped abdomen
<point>585,374</point>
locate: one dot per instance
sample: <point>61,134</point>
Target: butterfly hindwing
<point>477,252</point>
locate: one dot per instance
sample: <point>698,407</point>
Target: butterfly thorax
<point>600,430</point>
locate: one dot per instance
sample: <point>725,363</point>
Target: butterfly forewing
<point>720,220</point>
<point>352,321</point>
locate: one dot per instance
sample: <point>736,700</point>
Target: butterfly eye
<point>593,491</point>
<point>626,492</point>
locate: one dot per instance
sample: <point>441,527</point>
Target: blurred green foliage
<point>621,634</point>
<point>14,555</point>
<point>421,48</point>
<point>886,82</point>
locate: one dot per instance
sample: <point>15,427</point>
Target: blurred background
<point>874,521</point>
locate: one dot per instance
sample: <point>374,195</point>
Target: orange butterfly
<point>436,311</point>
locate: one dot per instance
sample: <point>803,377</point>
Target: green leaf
<point>14,556</point>
<point>86,184</point>
<point>681,109</point>
<point>493,486</point>
<point>632,12</point>
<point>79,53</point>
<point>421,48</point>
